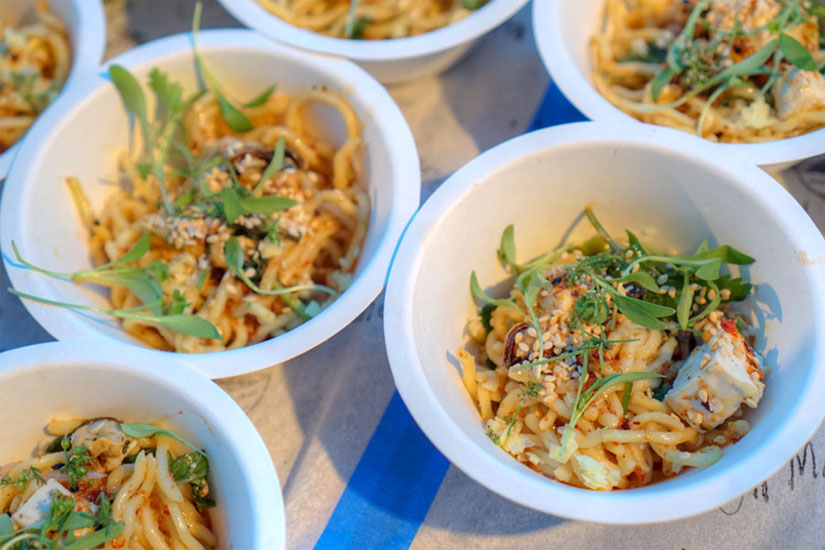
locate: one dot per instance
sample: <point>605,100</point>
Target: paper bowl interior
<point>563,31</point>
<point>80,136</point>
<point>671,190</point>
<point>78,380</point>
<point>85,24</point>
<point>390,61</point>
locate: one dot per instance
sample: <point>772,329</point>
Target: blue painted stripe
<point>391,489</point>
<point>555,110</point>
<point>398,476</point>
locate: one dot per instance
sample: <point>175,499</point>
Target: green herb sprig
<point>608,276</point>
<point>23,478</point>
<point>697,65</point>
<point>141,282</point>
<point>56,531</point>
<point>75,460</point>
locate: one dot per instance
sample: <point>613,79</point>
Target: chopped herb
<point>74,461</point>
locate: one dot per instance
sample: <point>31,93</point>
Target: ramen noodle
<point>610,368</point>
<point>737,71</point>
<point>108,485</point>
<point>371,19</point>
<point>34,63</point>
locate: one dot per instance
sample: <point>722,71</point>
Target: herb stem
<point>591,217</point>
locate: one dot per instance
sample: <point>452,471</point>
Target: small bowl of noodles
<point>394,41</point>
<point>236,204</point>
<point>121,449</point>
<point>746,75</point>
<point>44,47</point>
<point>631,335</point>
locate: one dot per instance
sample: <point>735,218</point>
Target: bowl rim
<point>486,18</point>
<point>239,434</point>
<point>517,483</point>
<point>365,287</point>
<point>577,88</point>
<point>87,51</point>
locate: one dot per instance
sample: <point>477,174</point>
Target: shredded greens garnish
<point>654,290</point>
<point>700,62</point>
<point>23,478</point>
<point>165,151</point>
<point>74,461</point>
<point>56,532</point>
<point>150,430</point>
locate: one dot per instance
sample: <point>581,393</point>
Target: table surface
<point>354,469</point>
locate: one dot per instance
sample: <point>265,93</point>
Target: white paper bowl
<point>563,31</point>
<point>390,61</point>
<point>668,187</point>
<point>83,129</point>
<point>86,25</point>
<point>65,380</point>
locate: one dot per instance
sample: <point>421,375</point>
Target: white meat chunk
<point>799,91</point>
<point>36,509</point>
<point>716,379</point>
<point>104,441</point>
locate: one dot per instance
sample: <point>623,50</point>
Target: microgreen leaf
<point>234,255</point>
<point>232,208</point>
<point>727,254</point>
<point>641,313</point>
<point>641,278</point>
<point>130,91</point>
<point>592,307</point>
<point>481,296</point>
<point>184,199</point>
<point>591,217</point>
<point>140,283</point>
<point>266,205</point>
<point>507,249</point>
<point>685,302</point>
<point>660,81</point>
<point>709,271</point>
<point>796,53</point>
<point>189,467</point>
<point>276,164</point>
<point>140,431</point>
<point>6,526</point>
<point>138,251</point>
<point>594,245</point>
<point>472,4</point>
<point>236,120</point>
<point>634,242</point>
<point>628,390</point>
<point>95,539</point>
<point>168,93</point>
<point>233,252</point>
<point>184,323</point>
<point>349,27</point>
<point>486,316</point>
<point>261,99</point>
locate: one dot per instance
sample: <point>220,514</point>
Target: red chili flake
<point>729,326</point>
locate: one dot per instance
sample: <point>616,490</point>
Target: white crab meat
<point>595,474</point>
<point>104,441</point>
<point>799,91</point>
<point>716,379</point>
<point>36,509</point>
